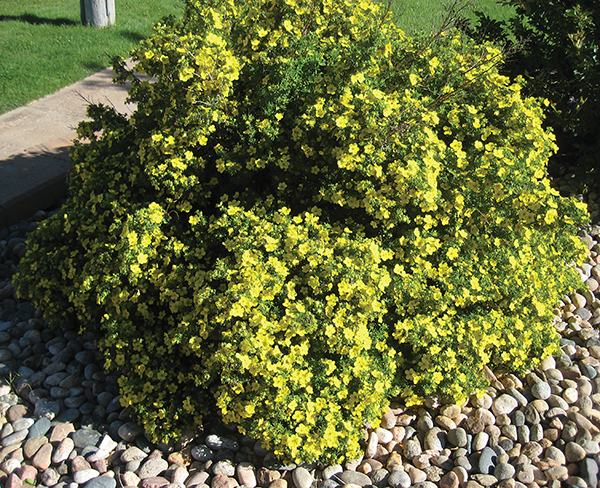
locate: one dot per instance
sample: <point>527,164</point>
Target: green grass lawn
<point>44,47</point>
<point>426,15</point>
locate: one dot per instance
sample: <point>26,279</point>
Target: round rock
<point>153,467</point>
<point>541,390</point>
<point>399,479</point>
<point>302,478</point>
<point>504,404</point>
<point>574,452</point>
<point>355,477</point>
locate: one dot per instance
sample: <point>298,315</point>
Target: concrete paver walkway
<point>35,141</point>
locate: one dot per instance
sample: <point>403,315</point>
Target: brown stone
<point>473,425</point>
<point>390,446</point>
<point>13,481</point>
<point>130,478</point>
<point>552,434</point>
<point>33,444</point>
<point>394,461</point>
<point>6,451</point>
<point>16,412</point>
<point>449,480</point>
<point>388,420</point>
<point>179,474</point>
<point>79,463</point>
<point>280,483</point>
<point>405,419</point>
<point>18,455</point>
<point>176,458</point>
<point>154,482</point>
<point>61,432</point>
<point>26,472</point>
<point>222,481</point>
<point>43,457</point>
<point>381,453</point>
<point>399,433</point>
<point>557,473</point>
<point>100,466</point>
<point>198,478</point>
<point>510,483</point>
<point>264,476</point>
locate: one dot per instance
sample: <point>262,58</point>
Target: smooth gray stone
<point>59,393</point>
<point>36,380</point>
<point>329,483</point>
<point>202,453</point>
<point>113,428</point>
<point>85,357</point>
<point>70,381</point>
<point>504,471</point>
<point>64,356</point>
<point>90,370</point>
<point>86,408</point>
<point>105,398</point>
<point>14,438</point>
<point>24,371</point>
<point>380,478</point>
<point>588,371</point>
<point>101,482</point>
<point>464,462</point>
<point>355,477</point>
<point>154,467</point>
<point>215,441</point>
<point>55,378</point>
<point>114,405</point>
<point>517,395</point>
<point>518,418</point>
<point>49,409</point>
<point>85,437</point>
<point>40,427</point>
<point>54,368</point>
<point>541,390</point>
<point>589,471</point>
<point>457,437</point>
<point>302,477</point>
<point>434,440</point>
<point>68,415</point>
<point>22,424</point>
<point>487,461</point>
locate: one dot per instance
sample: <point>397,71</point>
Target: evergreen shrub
<point>558,55</point>
<point>307,213</point>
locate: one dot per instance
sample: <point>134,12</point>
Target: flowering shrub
<point>307,213</point>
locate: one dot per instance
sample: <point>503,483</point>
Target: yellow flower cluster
<point>307,213</point>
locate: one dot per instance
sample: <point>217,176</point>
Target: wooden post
<point>97,13</point>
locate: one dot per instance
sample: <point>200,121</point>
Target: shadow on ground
<point>35,20</point>
<point>31,181</point>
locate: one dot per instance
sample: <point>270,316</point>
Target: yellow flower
<point>341,121</point>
